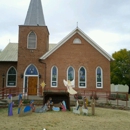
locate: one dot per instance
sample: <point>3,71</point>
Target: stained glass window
<point>11,79</point>
<point>70,73</point>
<point>99,77</point>
<point>82,77</point>
<point>31,70</point>
<point>54,76</point>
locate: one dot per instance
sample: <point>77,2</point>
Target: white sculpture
<point>70,85</point>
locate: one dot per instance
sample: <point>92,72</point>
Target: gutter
<point>45,68</point>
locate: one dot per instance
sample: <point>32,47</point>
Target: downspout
<point>45,68</point>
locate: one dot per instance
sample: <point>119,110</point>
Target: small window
<point>11,77</point>
<point>99,80</point>
<point>31,70</point>
<point>77,41</point>
<point>54,76</point>
<point>82,77</point>
<point>32,40</point>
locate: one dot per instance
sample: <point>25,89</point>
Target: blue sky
<point>107,22</point>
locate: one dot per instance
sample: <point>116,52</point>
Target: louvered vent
<point>32,41</point>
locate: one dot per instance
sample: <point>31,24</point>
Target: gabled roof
<point>35,15</point>
<point>10,53</point>
<point>87,38</point>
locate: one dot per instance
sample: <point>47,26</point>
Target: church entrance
<point>32,85</point>
<point>31,80</point>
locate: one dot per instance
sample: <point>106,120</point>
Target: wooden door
<point>32,85</point>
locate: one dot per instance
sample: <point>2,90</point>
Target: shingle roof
<point>10,53</point>
<point>35,15</point>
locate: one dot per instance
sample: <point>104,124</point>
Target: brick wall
<point>69,54</point>
<point>31,56</point>
<point>77,55</point>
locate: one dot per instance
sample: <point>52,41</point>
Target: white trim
<point>85,78</point>
<point>56,77</point>
<point>74,74</point>
<point>101,78</point>
<point>7,77</point>
<point>28,38</point>
<point>87,38</point>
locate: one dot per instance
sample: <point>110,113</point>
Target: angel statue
<point>70,86</point>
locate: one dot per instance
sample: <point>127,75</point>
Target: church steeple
<point>35,14</point>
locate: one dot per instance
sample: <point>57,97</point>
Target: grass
<point>104,119</point>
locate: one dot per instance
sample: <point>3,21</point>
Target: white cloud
<point>109,41</point>
<point>105,21</point>
<point>5,39</point>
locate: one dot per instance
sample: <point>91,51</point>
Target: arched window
<point>77,41</point>
<point>82,77</point>
<point>54,76</point>
<point>32,41</point>
<point>99,75</point>
<point>70,74</point>
<point>11,77</point>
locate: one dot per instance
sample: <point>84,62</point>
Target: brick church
<point>26,64</point>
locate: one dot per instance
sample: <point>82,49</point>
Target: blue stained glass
<point>98,71</point>
<point>70,74</point>
<point>54,74</point>
<point>31,70</point>
<point>98,75</point>
<point>82,74</point>
<point>54,70</point>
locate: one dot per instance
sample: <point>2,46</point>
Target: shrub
<point>122,97</point>
<point>112,97</point>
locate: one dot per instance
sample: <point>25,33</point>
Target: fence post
<point>106,97</point>
<point>117,99</point>
<point>93,105</point>
<point>2,93</point>
<point>127,99</point>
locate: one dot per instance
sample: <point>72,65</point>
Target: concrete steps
<point>3,103</point>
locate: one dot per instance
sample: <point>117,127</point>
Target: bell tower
<point>33,41</point>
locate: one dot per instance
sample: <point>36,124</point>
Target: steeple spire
<point>35,14</point>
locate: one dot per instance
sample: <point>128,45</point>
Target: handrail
<point>4,92</point>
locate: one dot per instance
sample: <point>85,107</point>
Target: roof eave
<point>87,38</point>
<point>95,45</point>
